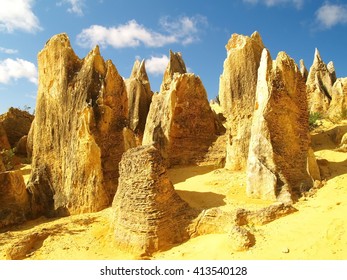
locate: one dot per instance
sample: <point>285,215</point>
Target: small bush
<point>313,118</point>
<point>7,158</point>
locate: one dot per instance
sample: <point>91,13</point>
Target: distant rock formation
<point>180,121</point>
<point>237,89</point>
<point>277,160</point>
<point>148,213</point>
<point>139,99</point>
<point>16,123</point>
<point>77,137</point>
<point>14,198</point>
<point>338,105</point>
<point>319,85</point>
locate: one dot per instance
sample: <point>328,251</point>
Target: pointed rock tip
<point>176,63</point>
<point>256,36</point>
<point>61,38</point>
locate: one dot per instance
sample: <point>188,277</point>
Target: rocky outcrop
<point>4,144</point>
<point>16,124</point>
<point>303,70</point>
<point>139,99</point>
<point>148,213</point>
<point>77,136</point>
<point>277,160</point>
<point>338,105</point>
<point>21,146</point>
<point>180,121</point>
<point>319,85</point>
<point>237,87</point>
<point>14,198</point>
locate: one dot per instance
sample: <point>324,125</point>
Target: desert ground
<point>318,230</point>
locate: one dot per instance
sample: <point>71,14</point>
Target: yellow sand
<point>317,231</point>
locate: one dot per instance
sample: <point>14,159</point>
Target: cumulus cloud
<point>329,15</point>
<point>156,65</point>
<point>184,30</point>
<point>18,15</point>
<point>14,69</point>
<point>76,6</point>
<point>270,3</point>
<point>8,51</point>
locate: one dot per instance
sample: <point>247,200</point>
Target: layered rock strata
<point>237,89</point>
<point>148,213</point>
<point>277,160</point>
<point>77,136</point>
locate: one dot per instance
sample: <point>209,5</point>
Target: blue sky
<point>126,30</point>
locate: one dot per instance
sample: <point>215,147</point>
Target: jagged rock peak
<point>175,66</point>
<point>238,41</point>
<point>139,71</point>
<point>331,69</point>
<point>303,69</point>
<point>77,135</point>
<point>237,88</point>
<point>278,151</point>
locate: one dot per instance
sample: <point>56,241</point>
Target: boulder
<point>139,99</point>
<point>77,137</point>
<point>16,124</point>
<point>338,105</point>
<point>277,160</point>
<point>237,88</point>
<point>14,199</point>
<point>319,85</point>
<point>148,213</point>
<point>180,121</point>
<point>21,146</point>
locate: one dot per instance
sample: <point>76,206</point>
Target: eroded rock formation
<point>277,161</point>
<point>139,99</point>
<point>14,198</point>
<point>77,137</point>
<point>319,85</point>
<point>303,69</point>
<point>180,121</point>
<point>16,123</point>
<point>148,213</point>
<point>338,105</point>
<point>237,89</point>
<point>4,144</point>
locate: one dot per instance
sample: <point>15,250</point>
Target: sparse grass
<point>7,158</point>
<point>313,118</point>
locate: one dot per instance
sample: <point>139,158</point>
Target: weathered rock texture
<point>2,166</point>
<point>180,121</point>
<point>303,69</point>
<point>78,130</point>
<point>4,144</point>
<point>237,88</point>
<point>139,99</point>
<point>277,161</point>
<point>14,198</point>
<point>149,214</point>
<point>319,85</point>
<point>16,124</point>
<point>338,105</point>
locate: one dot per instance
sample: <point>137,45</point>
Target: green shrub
<point>313,118</point>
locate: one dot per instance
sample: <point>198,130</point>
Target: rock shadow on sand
<point>202,200</point>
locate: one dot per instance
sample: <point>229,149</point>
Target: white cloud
<point>11,69</point>
<point>329,15</point>
<point>157,65</point>
<point>270,3</point>
<point>76,6</point>
<point>18,15</point>
<point>132,34</point>
<point>8,51</point>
